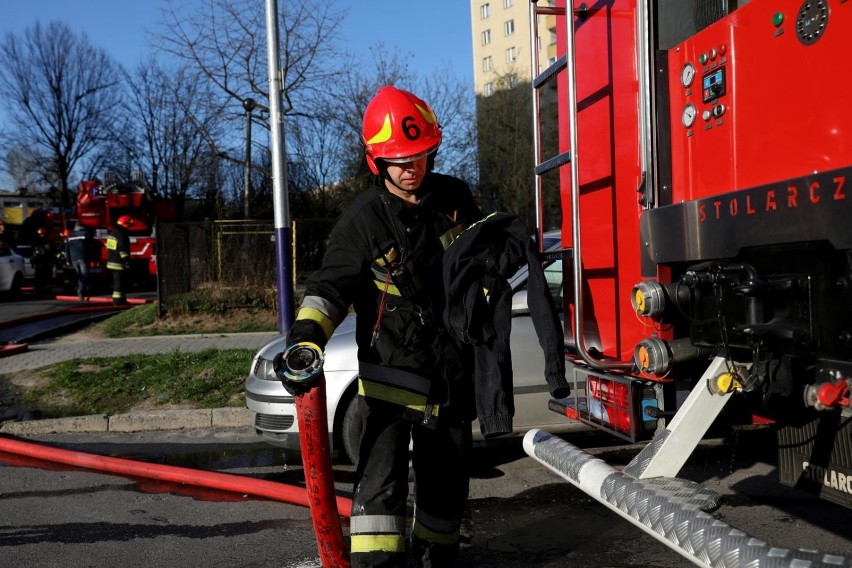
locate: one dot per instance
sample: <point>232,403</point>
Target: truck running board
<point>671,510</point>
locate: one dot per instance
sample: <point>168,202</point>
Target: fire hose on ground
<point>174,474</point>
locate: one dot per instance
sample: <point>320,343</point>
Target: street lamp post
<point>249,104</point>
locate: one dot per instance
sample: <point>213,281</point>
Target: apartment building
<point>500,31</point>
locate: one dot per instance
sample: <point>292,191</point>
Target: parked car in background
<point>26,251</point>
<point>12,269</point>
<point>275,410</point>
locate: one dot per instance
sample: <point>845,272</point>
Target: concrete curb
<point>148,421</point>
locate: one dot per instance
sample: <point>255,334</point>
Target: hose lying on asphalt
<point>208,479</point>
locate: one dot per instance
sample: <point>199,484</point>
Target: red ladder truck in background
<point>99,205</point>
<point>705,172</point>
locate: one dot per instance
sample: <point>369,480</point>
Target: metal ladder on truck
<point>564,66</point>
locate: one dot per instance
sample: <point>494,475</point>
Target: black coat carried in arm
<point>478,312</point>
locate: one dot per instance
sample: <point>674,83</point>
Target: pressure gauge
<point>687,117</point>
<point>687,74</point>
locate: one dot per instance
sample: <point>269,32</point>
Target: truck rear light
<point>609,403</point>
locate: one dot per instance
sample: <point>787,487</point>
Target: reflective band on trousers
<point>433,529</point>
<point>371,533</point>
<point>377,543</point>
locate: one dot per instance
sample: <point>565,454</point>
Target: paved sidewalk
<point>80,347</point>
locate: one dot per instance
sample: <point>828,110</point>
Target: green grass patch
<point>144,321</point>
<point>130,322</point>
<point>208,379</point>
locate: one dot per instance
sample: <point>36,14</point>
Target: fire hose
<point>174,474</point>
<point>300,369</point>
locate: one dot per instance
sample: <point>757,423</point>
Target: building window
<point>509,27</point>
<point>489,89</point>
<point>511,55</point>
<point>508,3</point>
<point>552,36</point>
<point>513,81</point>
<point>486,37</point>
<point>487,63</point>
<point>484,11</point>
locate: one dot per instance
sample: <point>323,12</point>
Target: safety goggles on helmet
<point>406,160</point>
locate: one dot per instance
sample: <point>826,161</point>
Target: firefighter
<point>78,247</point>
<point>43,259</point>
<point>6,235</point>
<point>384,259</point>
<point>118,258</point>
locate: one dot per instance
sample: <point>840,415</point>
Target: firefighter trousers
<point>441,464</point>
<point>119,287</point>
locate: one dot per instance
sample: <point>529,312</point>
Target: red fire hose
<point>210,480</point>
<point>300,368</point>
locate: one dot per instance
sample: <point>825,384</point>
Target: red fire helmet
<point>398,125</point>
<point>125,221</point>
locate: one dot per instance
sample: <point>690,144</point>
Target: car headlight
<point>262,369</point>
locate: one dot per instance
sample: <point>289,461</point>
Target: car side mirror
<point>519,303</point>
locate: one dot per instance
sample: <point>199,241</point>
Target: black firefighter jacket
<point>118,249</point>
<point>478,311</point>
<point>406,357</point>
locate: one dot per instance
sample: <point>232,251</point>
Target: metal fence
<point>237,258</point>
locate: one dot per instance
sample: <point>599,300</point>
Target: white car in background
<point>275,410</point>
<point>12,269</point>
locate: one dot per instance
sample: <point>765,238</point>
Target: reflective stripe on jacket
<point>118,250</point>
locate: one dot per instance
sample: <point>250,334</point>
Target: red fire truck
<point>99,205</point>
<point>705,167</point>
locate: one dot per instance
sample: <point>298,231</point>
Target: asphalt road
<point>520,515</point>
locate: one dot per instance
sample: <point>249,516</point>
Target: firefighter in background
<point>118,258</point>
<point>78,247</point>
<point>6,235</point>
<point>43,260</point>
<point>384,259</point>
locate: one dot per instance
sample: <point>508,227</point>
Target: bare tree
<point>455,105</point>
<point>60,93</point>
<point>226,41</point>
<point>22,165</point>
<point>173,127</point>
<point>505,151</point>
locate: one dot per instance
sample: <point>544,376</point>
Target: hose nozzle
<point>299,367</point>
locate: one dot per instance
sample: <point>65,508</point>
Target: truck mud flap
<point>817,457</point>
<point>674,511</point>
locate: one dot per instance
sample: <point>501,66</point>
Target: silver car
<point>275,410</point>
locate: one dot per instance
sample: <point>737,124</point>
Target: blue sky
<point>433,36</point>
